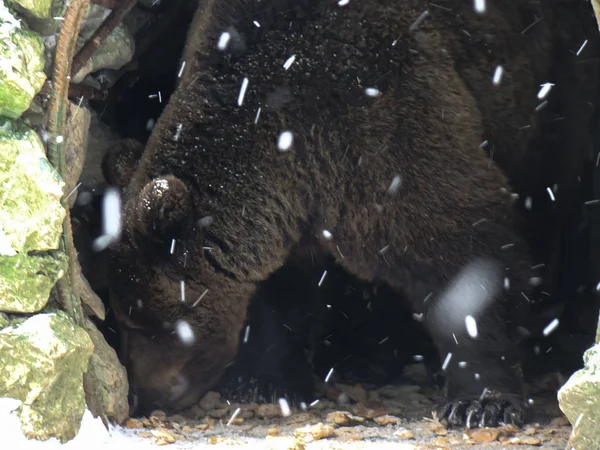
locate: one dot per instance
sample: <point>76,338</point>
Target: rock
<point>299,418</point>
<point>369,411</point>
<point>195,412</point>
<point>178,419</point>
<point>158,414</point>
<point>139,19</point>
<point>598,332</point>
<point>105,383</point>
<point>438,428</point>
<point>560,421</point>
<point>527,440</point>
<point>416,373</point>
<point>4,320</point>
<point>133,423</point>
<point>162,436</point>
<point>404,434</point>
<point>22,69</point>
<point>579,399</point>
<point>483,435</point>
<point>268,411</point>
<point>343,399</point>
<point>42,362</point>
<point>387,420</point>
<point>116,51</point>
<point>91,302</point>
<point>37,8</point>
<point>30,192</point>
<point>344,419</point>
<point>356,392</point>
<point>76,142</point>
<point>101,138</point>
<point>210,401</point>
<point>218,413</point>
<point>349,434</point>
<point>400,391</point>
<point>314,432</point>
<point>246,409</point>
<point>322,405</point>
<point>26,281</point>
<point>333,393</point>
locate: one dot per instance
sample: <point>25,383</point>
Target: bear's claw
<point>482,413</point>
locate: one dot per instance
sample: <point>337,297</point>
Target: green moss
<point>42,362</point>
<point>26,281</point>
<point>21,65</point>
<point>30,190</point>
<point>38,8</point>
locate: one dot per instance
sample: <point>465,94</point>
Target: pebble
<point>159,414</point>
<point>314,432</point>
<point>218,413</point>
<point>387,420</point>
<point>527,440</point>
<point>162,437</point>
<point>268,411</point>
<point>355,391</point>
<point>404,434</point>
<point>133,423</point>
<point>210,401</point>
<point>344,419</point>
<point>369,413</point>
<point>195,412</point>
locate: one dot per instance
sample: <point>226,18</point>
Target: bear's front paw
<point>248,389</point>
<point>483,413</point>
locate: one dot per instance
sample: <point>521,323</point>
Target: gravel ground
<point>348,417</point>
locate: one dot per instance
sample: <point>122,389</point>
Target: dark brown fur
<point>437,105</point>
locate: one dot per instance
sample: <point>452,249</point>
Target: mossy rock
<point>31,214</point>
<point>26,280</point>
<point>579,400</point>
<point>42,362</point>
<point>21,65</point>
<point>36,8</point>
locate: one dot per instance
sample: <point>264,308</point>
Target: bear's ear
<point>162,211</point>
<point>120,162</point>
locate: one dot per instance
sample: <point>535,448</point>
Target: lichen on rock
<point>30,191</point>
<point>26,280</point>
<point>114,53</point>
<point>105,382</point>
<point>579,400</point>
<point>21,65</point>
<point>37,8</point>
<point>42,362</point>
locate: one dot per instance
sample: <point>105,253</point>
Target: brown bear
<point>352,129</point>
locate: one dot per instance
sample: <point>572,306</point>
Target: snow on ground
<point>93,435</point>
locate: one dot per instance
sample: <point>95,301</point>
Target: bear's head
<point>175,343</point>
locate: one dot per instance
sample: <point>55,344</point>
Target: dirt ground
<point>349,417</point>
